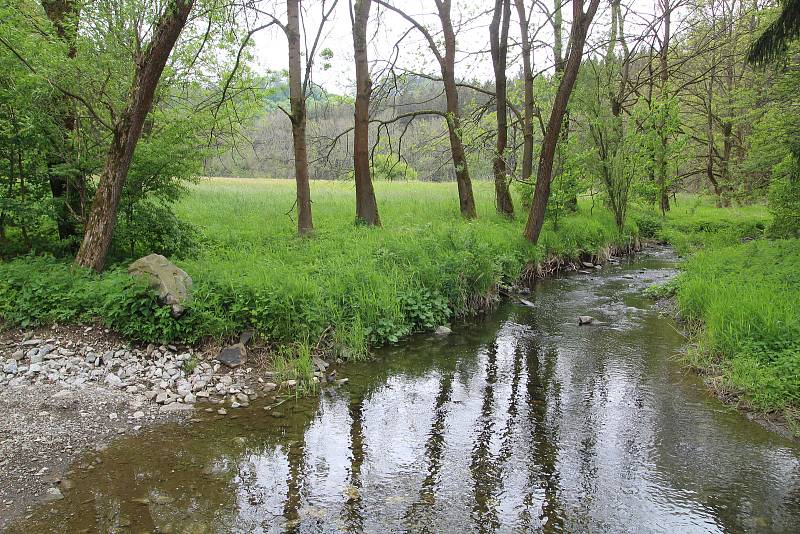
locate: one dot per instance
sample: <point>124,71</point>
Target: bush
<point>648,222</point>
<point>784,204</point>
<point>151,227</point>
<point>389,168</point>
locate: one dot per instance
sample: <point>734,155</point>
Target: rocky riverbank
<point>68,390</point>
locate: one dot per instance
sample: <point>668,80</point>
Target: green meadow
<point>359,286</point>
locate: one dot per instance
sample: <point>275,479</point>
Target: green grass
<point>695,222</point>
<point>747,299</point>
<point>359,286</point>
<point>740,296</point>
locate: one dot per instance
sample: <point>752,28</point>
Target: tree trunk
<point>65,185</point>
<point>527,74</point>
<point>366,205</point>
<point>570,204</point>
<point>99,228</point>
<point>664,68</point>
<point>541,195</point>
<point>297,100</point>
<point>465,196</point>
<point>499,44</point>
<point>558,46</point>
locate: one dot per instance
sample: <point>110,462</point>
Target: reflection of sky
<point>626,451</point>
<point>530,424</point>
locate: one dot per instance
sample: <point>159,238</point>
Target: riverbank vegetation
<point>744,302</point>
<point>364,286</point>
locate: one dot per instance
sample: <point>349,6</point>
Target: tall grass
<point>694,221</point>
<point>747,298</point>
<point>361,286</point>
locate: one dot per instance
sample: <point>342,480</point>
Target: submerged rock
<point>53,494</point>
<point>585,319</point>
<point>171,282</point>
<point>320,364</point>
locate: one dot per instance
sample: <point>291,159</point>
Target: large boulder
<point>233,356</point>
<point>171,282</point>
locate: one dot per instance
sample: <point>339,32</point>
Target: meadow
<point>358,286</point>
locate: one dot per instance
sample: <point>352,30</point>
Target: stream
<point>523,421</point>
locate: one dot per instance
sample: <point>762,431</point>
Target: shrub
<point>648,222</point>
<point>784,204</point>
<point>151,227</point>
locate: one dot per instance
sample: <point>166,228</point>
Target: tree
<point>299,84</point>
<point>66,185</point>
<point>580,27</point>
<point>527,92</point>
<point>498,35</point>
<point>446,63</point>
<point>616,143</point>
<point>772,44</point>
<point>366,205</point>
<point>663,67</point>
<point>127,129</point>
<point>297,102</point>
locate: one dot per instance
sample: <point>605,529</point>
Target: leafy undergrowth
<point>358,286</point>
<point>747,299</point>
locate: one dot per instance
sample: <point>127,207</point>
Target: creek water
<point>522,422</point>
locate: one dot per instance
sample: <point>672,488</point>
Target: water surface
<point>523,422</point>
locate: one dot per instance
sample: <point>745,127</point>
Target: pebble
<point>155,375</point>
<point>53,494</point>
<point>113,380</point>
<point>175,407</point>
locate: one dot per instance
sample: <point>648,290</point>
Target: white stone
<point>113,380</point>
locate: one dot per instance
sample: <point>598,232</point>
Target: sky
<point>471,17</point>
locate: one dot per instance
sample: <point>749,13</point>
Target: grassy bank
<point>745,302</point>
<point>695,222</point>
<point>740,297</point>
<point>360,286</point>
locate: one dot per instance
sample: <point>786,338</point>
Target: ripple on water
<point>523,422</point>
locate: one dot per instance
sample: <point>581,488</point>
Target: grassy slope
<point>424,266</point>
<point>742,300</point>
<point>748,300</point>
<point>390,280</point>
<point>366,285</point>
